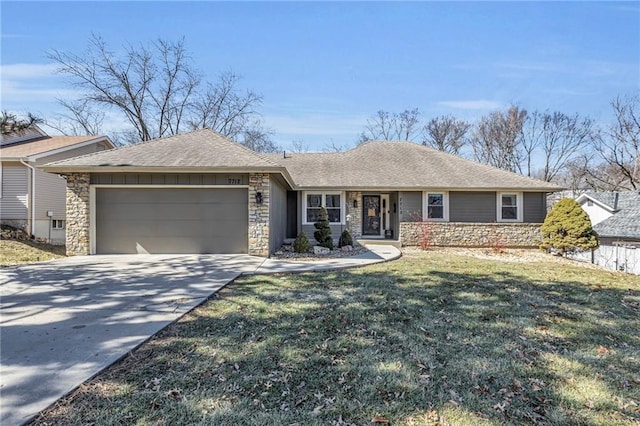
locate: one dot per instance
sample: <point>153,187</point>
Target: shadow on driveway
<point>64,321</point>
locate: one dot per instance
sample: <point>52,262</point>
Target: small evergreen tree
<point>323,233</point>
<point>567,228</point>
<point>301,244</point>
<point>345,239</point>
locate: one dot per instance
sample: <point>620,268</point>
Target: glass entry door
<point>371,215</point>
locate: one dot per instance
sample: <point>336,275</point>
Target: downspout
<point>32,204</point>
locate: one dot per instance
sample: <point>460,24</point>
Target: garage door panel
<point>176,220</point>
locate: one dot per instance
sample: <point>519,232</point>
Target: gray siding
<point>472,207</point>
<point>410,206</point>
<point>169,179</point>
<point>535,207</point>
<point>277,215</point>
<point>336,230</point>
<point>15,182</point>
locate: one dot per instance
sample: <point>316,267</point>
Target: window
<point>509,207</point>
<point>314,202</point>
<point>435,206</point>
<point>331,201</point>
<point>57,224</point>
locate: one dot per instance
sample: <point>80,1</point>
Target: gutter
<point>32,204</point>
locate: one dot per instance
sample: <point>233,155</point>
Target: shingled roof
<point>625,222</point>
<point>43,144</point>
<point>201,149</point>
<point>400,165</point>
<point>379,165</point>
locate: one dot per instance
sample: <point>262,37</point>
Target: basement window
<point>57,224</point>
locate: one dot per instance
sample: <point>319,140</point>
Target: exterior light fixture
<point>355,204</point>
<point>258,197</point>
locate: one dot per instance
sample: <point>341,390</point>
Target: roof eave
<point>422,187</point>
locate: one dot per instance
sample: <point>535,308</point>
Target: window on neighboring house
<point>332,202</point>
<point>509,207</point>
<point>57,224</point>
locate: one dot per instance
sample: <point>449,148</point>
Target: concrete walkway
<point>64,321</point>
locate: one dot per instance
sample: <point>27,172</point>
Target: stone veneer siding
<point>78,214</point>
<point>459,234</point>
<point>355,226</point>
<point>259,215</point>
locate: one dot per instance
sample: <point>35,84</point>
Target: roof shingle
<point>41,145</point>
<point>199,149</point>
<point>400,165</point>
<point>625,223</point>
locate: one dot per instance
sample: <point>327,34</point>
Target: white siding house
<point>616,218</point>
<point>32,199</point>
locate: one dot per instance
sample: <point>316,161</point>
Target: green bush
<point>345,239</point>
<point>323,233</point>
<point>567,228</point>
<point>301,244</point>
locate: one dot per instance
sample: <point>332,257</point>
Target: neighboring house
<point>201,193</point>
<point>31,199</point>
<point>615,216</point>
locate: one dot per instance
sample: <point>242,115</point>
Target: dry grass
<point>434,338</point>
<point>14,252</point>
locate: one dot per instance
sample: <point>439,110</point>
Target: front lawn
<point>433,338</point>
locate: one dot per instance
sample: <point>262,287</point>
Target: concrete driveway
<point>64,321</point>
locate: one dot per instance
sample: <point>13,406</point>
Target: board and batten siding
<point>169,179</point>
<point>15,184</point>
<point>535,207</point>
<point>470,206</point>
<point>410,206</point>
<point>277,215</point>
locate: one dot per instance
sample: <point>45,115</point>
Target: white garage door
<point>171,220</point>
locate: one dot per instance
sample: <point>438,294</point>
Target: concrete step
<point>379,242</point>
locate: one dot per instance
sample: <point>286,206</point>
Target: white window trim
<point>425,206</point>
<point>62,221</point>
<point>0,179</point>
<point>323,202</point>
<point>519,198</point>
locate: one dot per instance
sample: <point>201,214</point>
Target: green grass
<point>14,252</point>
<point>430,339</point>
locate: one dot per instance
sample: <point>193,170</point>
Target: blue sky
<point>323,68</point>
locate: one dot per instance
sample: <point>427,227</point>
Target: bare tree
<point>81,118</point>
<point>158,91</point>
<point>333,147</point>
<point>498,137</point>
<point>387,126</point>
<point>446,133</point>
<point>257,138</point>
<point>222,109</point>
<point>619,145</point>
<point>299,146</point>
<point>12,124</point>
<point>559,137</point>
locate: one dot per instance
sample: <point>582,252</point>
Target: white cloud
<point>480,104</point>
<point>32,86</point>
<point>27,71</point>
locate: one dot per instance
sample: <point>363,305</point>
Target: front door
<point>371,214</point>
